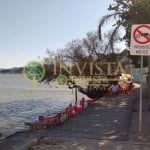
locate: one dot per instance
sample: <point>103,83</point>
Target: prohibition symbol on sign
<point>141,34</point>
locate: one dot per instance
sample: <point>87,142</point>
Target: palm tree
<point>125,13</point>
<point>117,25</point>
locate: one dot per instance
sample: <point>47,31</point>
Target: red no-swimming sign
<point>140,39</point>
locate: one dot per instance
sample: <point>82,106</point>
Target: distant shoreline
<point>15,70</point>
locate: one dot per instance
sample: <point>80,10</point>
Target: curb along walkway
<point>134,134</point>
<point>103,125</point>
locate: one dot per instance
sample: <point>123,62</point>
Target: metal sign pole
<point>76,95</point>
<point>140,105</point>
<point>140,37</point>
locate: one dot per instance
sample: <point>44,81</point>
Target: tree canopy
<point>126,13</point>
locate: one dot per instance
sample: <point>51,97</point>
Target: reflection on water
<point>19,102</point>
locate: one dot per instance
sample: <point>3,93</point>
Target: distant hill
<point>12,70</point>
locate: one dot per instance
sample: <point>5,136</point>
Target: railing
<point>61,117</point>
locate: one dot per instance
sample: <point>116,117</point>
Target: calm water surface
<point>20,102</point>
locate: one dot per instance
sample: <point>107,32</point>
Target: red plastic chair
<point>70,111</point>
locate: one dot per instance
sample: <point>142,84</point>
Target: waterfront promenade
<point>106,124</point>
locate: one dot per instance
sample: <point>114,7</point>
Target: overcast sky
<point>29,27</point>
